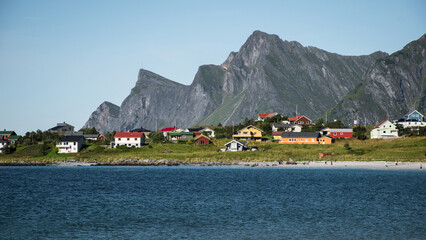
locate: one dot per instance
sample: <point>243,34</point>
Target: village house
<point>62,127</point>
<point>180,136</point>
<point>3,144</point>
<point>414,120</point>
<point>325,140</point>
<point>129,139</point>
<point>235,146</point>
<point>249,133</point>
<point>204,130</point>
<point>13,138</point>
<point>4,135</point>
<point>277,135</point>
<point>166,131</point>
<point>385,129</point>
<point>196,129</point>
<point>202,139</point>
<point>263,116</point>
<point>93,137</point>
<point>299,138</point>
<point>414,116</point>
<point>301,120</point>
<point>287,127</point>
<point>337,132</point>
<point>208,132</point>
<point>70,144</point>
<point>145,131</point>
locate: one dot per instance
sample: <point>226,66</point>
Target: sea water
<point>210,203</point>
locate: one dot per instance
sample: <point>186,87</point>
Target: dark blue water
<point>210,203</point>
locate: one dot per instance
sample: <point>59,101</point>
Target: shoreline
<point>373,165</point>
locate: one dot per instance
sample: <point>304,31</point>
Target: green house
<point>13,138</point>
<point>5,134</point>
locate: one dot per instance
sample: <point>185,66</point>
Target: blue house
<point>414,116</point>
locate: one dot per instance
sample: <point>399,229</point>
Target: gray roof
<point>341,130</point>
<point>283,125</point>
<point>91,135</point>
<point>70,138</point>
<point>300,135</point>
<point>141,129</point>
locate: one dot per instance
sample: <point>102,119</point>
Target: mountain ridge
<point>266,74</point>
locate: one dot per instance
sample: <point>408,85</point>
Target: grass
<point>403,149</point>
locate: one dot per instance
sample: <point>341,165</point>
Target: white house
<point>287,127</point>
<point>129,139</point>
<point>3,144</point>
<point>71,144</point>
<point>385,129</point>
<point>211,132</point>
<point>411,124</point>
<point>234,146</point>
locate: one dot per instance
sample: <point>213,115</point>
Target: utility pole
<point>326,118</point>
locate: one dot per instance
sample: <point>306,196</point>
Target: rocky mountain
<point>392,87</point>
<point>266,74</point>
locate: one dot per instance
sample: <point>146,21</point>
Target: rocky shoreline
<point>289,164</point>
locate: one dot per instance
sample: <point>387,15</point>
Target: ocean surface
<point>210,203</point>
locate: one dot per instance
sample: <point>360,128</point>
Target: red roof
<point>266,115</point>
<point>128,134</point>
<point>293,119</point>
<point>378,125</point>
<point>168,129</point>
<point>277,133</point>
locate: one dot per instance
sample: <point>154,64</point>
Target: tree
<point>335,124</point>
<point>89,130</point>
<point>360,133</point>
<point>157,137</point>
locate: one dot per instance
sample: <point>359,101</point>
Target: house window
<point>202,142</point>
<point>128,139</point>
<point>335,134</point>
<point>74,143</point>
<point>245,133</point>
<point>341,133</point>
<point>119,139</point>
<point>136,139</point>
<point>137,145</point>
<point>384,131</point>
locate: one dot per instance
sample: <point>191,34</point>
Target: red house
<point>341,132</point>
<point>201,140</point>
<point>301,120</point>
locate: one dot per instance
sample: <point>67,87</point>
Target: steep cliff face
<point>269,74</point>
<point>266,74</point>
<point>392,87</point>
<point>104,118</point>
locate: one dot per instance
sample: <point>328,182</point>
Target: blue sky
<point>60,59</point>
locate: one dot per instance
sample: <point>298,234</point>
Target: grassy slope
<point>404,149</point>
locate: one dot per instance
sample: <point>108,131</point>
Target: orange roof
<point>266,115</point>
<point>277,133</point>
<point>292,119</point>
<point>128,134</point>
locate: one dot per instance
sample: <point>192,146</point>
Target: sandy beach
<point>382,165</point>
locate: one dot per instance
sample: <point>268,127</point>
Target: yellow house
<point>249,133</point>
